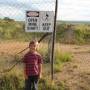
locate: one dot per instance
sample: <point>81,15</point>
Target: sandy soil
<point>76,74</point>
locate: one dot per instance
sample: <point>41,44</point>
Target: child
<point>33,67</point>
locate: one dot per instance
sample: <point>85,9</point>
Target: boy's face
<point>33,47</point>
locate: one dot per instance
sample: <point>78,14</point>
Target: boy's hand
<point>40,76</point>
<point>26,77</point>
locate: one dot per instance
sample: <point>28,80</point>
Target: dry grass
<point>75,74</point>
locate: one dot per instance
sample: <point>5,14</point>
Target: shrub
<point>11,82</point>
<point>79,36</point>
<point>46,84</point>
<point>60,59</point>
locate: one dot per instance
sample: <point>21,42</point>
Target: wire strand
<point>9,69</point>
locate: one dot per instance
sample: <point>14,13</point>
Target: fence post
<point>53,40</point>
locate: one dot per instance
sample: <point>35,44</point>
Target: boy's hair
<point>33,42</point>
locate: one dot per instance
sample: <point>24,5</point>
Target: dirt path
<point>76,74</point>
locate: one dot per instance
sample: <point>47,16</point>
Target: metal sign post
<point>53,41</point>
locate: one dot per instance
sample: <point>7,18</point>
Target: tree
<point>8,19</point>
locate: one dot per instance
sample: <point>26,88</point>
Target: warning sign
<point>39,21</point>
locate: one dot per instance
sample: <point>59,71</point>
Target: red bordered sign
<point>39,21</point>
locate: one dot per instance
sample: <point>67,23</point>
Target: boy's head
<point>33,45</point>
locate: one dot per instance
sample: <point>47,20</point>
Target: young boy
<point>33,67</point>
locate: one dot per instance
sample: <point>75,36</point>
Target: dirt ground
<point>76,74</point>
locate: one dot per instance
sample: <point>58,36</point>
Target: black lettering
<point>46,28</point>
<point>32,28</point>
<point>32,20</point>
<point>46,24</point>
<point>32,24</point>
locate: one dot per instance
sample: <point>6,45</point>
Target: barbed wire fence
<point>13,37</point>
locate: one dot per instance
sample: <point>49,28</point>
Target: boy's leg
<point>28,84</point>
<point>35,82</point>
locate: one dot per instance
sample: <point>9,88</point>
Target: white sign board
<point>39,21</point>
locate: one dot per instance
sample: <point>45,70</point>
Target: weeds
<point>14,80</point>
<point>60,59</point>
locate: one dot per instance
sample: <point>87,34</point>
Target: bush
<point>63,57</point>
<point>60,59</point>
<point>11,82</point>
<point>79,36</point>
<point>57,68</point>
<point>46,84</point>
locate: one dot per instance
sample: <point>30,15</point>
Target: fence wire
<point>16,9</point>
<point>13,37</point>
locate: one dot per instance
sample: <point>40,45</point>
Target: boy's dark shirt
<point>32,61</point>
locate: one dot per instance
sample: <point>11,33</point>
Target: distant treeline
<point>65,33</point>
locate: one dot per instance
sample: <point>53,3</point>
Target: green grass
<point>60,59</point>
<point>13,82</point>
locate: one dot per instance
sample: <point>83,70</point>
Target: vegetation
<point>14,31</point>
<point>61,58</point>
<point>73,34</point>
<point>66,33</point>
<point>14,80</point>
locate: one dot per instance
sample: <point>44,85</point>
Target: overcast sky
<point>74,10</point>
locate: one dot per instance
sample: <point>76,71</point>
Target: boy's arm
<point>24,61</point>
<point>40,61</point>
<point>40,70</point>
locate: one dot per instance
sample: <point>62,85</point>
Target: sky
<point>68,10</point>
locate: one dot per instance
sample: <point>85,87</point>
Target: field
<point>8,58</point>
<point>76,74</point>
<point>71,63</point>
<point>71,68</point>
